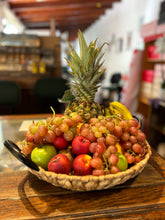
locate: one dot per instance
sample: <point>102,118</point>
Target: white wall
<point>12,24</point>
<point>124,17</point>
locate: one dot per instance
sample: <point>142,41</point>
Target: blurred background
<point>33,48</point>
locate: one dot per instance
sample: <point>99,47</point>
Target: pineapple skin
<point>85,109</point>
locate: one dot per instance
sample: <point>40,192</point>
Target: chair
<point>115,88</point>
<point>10,95</point>
<point>48,91</point>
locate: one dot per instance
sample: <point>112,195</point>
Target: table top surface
<point>24,196</point>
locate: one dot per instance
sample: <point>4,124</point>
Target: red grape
<point>29,136</point>
<point>96,163</point>
<point>114,169</point>
<point>93,120</point>
<point>126,145</point>
<point>68,121</point>
<point>110,126</point>
<point>110,140</point>
<point>100,148</point>
<point>37,138</point>
<point>133,122</point>
<point>117,131</point>
<point>130,159</point>
<point>97,155</point>
<point>140,136</point>
<point>64,127</point>
<point>101,140</point>
<point>107,153</point>
<point>77,118</point>
<point>112,149</point>
<point>91,137</point>
<point>133,130</point>
<point>133,139</point>
<point>84,132</point>
<point>50,136</point>
<point>57,131</point>
<point>125,136</point>
<point>137,148</point>
<point>138,158</point>
<point>42,130</point>
<point>27,149</point>
<point>113,159</point>
<point>92,147</point>
<point>123,124</point>
<point>98,172</point>
<point>68,135</point>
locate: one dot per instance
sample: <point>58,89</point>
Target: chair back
<point>10,94</point>
<point>50,88</point>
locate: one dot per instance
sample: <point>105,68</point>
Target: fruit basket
<point>90,146</point>
<point>89,182</point>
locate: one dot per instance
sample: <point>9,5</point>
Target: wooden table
<point>24,196</point>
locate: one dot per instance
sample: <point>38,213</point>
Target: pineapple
<point>85,79</point>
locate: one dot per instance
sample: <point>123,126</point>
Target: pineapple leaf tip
<point>67,97</point>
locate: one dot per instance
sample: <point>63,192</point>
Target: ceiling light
<point>98,5</point>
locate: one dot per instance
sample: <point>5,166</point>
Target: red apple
<point>60,142</point>
<point>60,164</point>
<point>80,145</point>
<point>82,165</point>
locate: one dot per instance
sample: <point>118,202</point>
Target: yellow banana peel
<point>79,127</point>
<point>106,111</point>
<point>117,107</point>
<point>119,148</point>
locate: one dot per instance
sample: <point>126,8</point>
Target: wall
<point>12,24</point>
<point>125,17</point>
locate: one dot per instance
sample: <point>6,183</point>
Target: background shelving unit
<point>44,48</point>
<point>153,114</point>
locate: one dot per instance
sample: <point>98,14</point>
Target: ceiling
<point>63,15</point>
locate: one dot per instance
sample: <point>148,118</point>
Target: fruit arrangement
<point>89,142</point>
<point>106,144</point>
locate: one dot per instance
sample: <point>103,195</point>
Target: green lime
<point>122,163</point>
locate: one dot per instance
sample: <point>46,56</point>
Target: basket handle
<point>15,150</point>
<point>138,120</point>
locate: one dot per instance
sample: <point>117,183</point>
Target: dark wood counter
<point>24,196</point>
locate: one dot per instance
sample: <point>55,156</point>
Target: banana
<point>106,111</point>
<point>117,107</point>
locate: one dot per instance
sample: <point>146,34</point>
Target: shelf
<point>21,73</point>
<point>155,60</point>
<point>144,101</point>
<point>149,107</point>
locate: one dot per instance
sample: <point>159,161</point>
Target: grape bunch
<point>115,144</point>
<point>105,134</point>
<point>41,132</point>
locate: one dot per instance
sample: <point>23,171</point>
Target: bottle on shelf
<point>42,67</point>
<point>34,67</point>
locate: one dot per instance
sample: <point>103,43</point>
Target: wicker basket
<point>89,182</point>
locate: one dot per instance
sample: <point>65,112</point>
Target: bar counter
<point>24,196</point>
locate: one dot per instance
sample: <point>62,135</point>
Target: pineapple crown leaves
<point>85,70</point>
